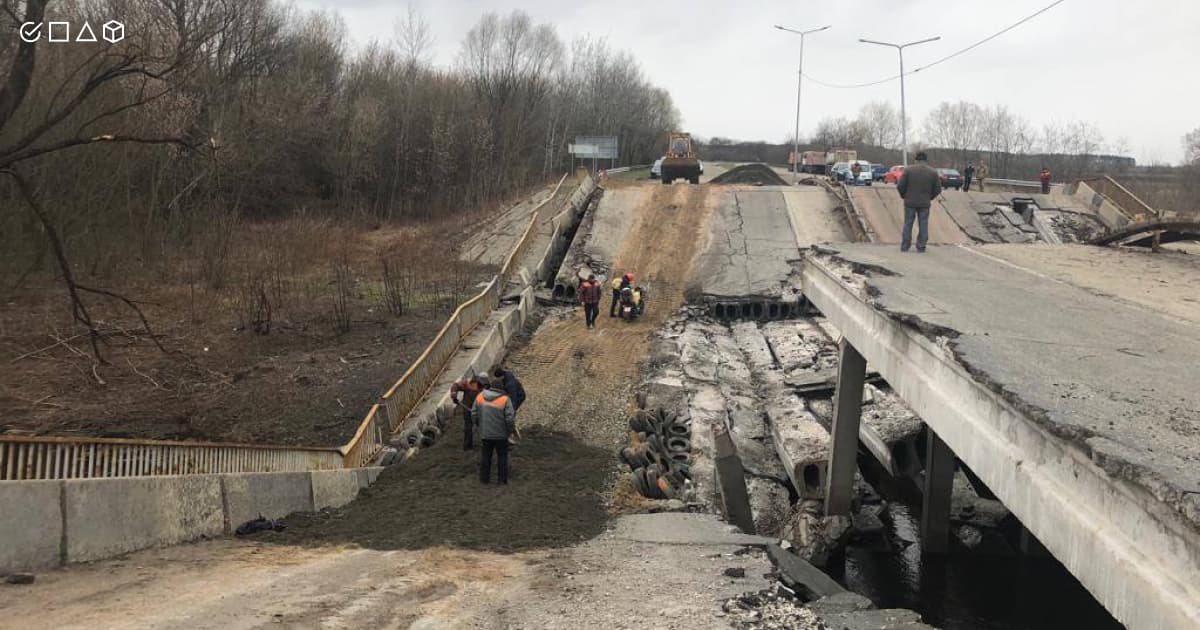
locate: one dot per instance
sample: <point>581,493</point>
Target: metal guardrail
<point>40,457</point>
<point>1014,183</point>
<point>50,457</point>
<point>402,397</point>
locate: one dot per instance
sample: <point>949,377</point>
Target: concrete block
<point>361,477</point>
<point>31,525</point>
<point>803,447</point>
<point>109,517</point>
<point>333,488</point>
<point>373,474</point>
<point>510,323</point>
<point>273,495</point>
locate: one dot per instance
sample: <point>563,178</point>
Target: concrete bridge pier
<point>843,436</point>
<point>843,456</point>
<point>936,491</point>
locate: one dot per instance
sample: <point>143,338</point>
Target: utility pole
<point>903,113</point>
<point>799,84</point>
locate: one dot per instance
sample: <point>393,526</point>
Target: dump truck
<point>812,162</point>
<point>680,162</point>
<point>838,155</point>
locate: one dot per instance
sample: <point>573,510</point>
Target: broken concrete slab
<point>801,443</point>
<point>802,577</point>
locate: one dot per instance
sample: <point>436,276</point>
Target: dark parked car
<point>877,172</point>
<point>950,178</point>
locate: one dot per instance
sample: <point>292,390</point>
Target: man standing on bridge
<point>983,173</point>
<point>968,173</point>
<point>1045,177</point>
<point>589,296</point>
<point>918,186</point>
<point>494,415</point>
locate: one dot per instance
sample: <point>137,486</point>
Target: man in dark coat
<point>589,296</point>
<point>511,386</point>
<point>918,186</point>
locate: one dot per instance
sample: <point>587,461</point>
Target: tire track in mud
<point>580,381</point>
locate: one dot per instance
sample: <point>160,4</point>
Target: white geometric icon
<point>114,31</point>
<point>31,32</point>
<point>59,32</point>
<point>86,34</point>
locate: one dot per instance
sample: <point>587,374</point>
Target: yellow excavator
<point>680,162</point>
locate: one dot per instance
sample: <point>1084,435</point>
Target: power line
<point>952,55</point>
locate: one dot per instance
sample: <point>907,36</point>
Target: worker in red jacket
<point>469,388</point>
<point>1045,177</point>
<point>589,296</point>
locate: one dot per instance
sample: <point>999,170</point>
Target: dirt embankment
<point>754,174</point>
<point>579,384</point>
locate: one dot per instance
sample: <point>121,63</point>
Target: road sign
<point>595,147</point>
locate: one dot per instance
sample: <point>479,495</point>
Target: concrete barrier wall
<point>31,525</point>
<point>49,523</point>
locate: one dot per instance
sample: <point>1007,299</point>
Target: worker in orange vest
<point>494,416</point>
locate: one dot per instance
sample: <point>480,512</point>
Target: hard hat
<point>629,276</point>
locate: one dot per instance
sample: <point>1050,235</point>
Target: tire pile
<point>422,435</point>
<point>659,455</point>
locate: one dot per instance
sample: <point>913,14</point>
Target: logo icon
<point>59,32</point>
<point>114,31</point>
<point>86,34</point>
<point>31,32</point>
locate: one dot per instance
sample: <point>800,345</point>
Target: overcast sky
<point>1129,67</point>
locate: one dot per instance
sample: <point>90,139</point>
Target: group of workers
<point>489,405</point>
<point>624,293</point>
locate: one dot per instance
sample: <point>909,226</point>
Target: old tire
<point>666,488</point>
<point>653,491</point>
<point>680,430</point>
<point>638,458</point>
<point>679,444</point>
<point>626,457</point>
<point>654,443</point>
<point>638,424</point>
<point>681,457</point>
<point>639,480</point>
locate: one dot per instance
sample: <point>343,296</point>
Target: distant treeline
<point>211,109</point>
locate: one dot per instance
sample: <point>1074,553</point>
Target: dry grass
<point>280,332</point>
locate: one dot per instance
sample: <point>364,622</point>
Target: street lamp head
<point>802,33</point>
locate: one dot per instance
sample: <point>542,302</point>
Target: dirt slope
<point>579,384</point>
<point>579,380</point>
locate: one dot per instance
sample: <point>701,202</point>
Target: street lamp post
<point>799,84</point>
<point>903,117</point>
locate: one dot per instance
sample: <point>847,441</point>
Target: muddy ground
<point>553,499</point>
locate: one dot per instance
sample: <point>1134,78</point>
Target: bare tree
<point>81,99</point>
<point>880,123</point>
<point>840,132</point>
<point>1191,147</point>
<point>955,126</point>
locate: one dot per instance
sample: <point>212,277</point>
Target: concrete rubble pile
<point>744,378</point>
